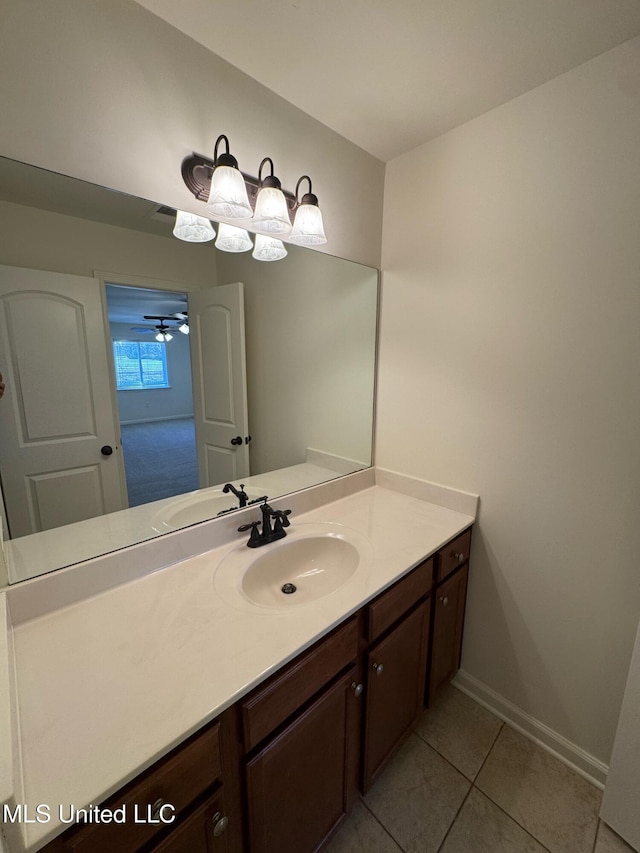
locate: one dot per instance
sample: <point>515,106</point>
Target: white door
<point>216,322</point>
<point>56,416</point>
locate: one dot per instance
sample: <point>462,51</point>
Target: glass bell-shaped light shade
<point>271,215</point>
<point>268,248</point>
<point>308,229</point>
<point>228,196</point>
<point>184,328</point>
<point>192,228</point>
<point>232,239</point>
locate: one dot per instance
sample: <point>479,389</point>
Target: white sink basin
<point>313,561</point>
<point>197,506</point>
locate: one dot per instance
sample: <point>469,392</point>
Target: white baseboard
<point>591,768</point>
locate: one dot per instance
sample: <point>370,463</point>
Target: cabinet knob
<point>444,600</point>
<point>459,557</point>
<point>357,688</point>
<point>156,808</point>
<point>378,668</point>
<point>220,823</point>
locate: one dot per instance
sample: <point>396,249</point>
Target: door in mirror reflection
<point>216,320</point>
<point>60,453</point>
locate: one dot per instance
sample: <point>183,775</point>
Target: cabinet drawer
<point>203,831</point>
<point>454,554</point>
<point>389,607</point>
<point>176,780</point>
<point>271,704</point>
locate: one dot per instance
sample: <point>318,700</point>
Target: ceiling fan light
<point>184,328</point>
<point>268,248</point>
<point>232,239</point>
<point>168,336</point>
<point>160,337</point>
<point>192,228</point>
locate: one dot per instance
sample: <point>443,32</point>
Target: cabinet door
<point>396,668</point>
<point>448,622</point>
<point>204,831</point>
<point>301,785</point>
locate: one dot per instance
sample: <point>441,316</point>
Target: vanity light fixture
<point>269,207</point>
<point>268,248</point>
<point>228,195</point>
<point>192,228</point>
<point>271,215</point>
<point>232,239</point>
<point>308,228</point>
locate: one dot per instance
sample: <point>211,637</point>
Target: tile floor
<point>464,782</point>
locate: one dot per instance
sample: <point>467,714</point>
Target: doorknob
<point>106,450</point>
<point>237,440</point>
<point>247,439</point>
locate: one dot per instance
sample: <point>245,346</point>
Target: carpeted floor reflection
<point>160,459</point>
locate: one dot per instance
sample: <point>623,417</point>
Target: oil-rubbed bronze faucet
<point>242,496</point>
<point>268,533</point>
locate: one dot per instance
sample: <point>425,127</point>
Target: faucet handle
<point>254,536</point>
<point>281,519</point>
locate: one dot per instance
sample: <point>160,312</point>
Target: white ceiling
<point>391,74</point>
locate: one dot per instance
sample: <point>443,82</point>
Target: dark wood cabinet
<point>301,784</point>
<point>205,830</point>
<point>449,600</point>
<point>395,678</point>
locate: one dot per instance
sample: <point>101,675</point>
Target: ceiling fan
<point>184,325</point>
<point>163,332</point>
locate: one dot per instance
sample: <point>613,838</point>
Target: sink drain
<point>289,588</point>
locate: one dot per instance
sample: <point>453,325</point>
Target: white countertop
<point>106,685</point>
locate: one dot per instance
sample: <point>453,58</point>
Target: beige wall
<point>40,239</point>
<point>509,361</point>
<point>310,321</point>
<point>108,92</point>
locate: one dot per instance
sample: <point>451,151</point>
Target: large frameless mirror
<point>144,373</point>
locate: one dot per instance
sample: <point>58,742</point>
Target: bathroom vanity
<point>214,724</point>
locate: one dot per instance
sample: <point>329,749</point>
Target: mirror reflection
<point>117,426</point>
